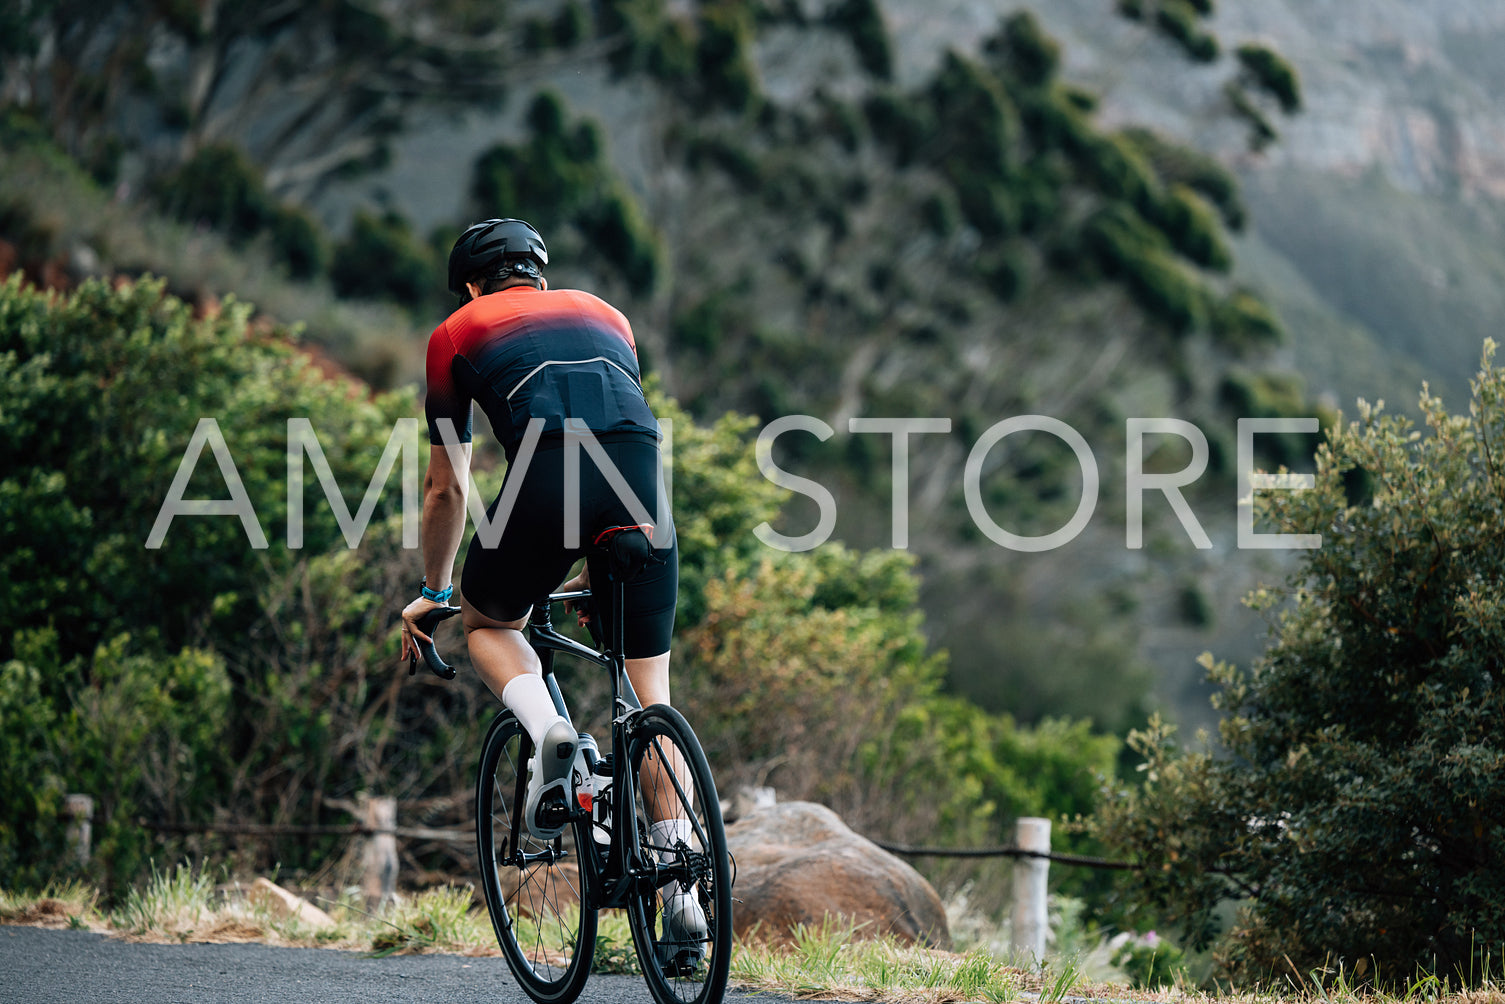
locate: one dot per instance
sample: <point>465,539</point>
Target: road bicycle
<point>544,895</point>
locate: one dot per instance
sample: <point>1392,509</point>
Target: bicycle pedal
<point>677,961</point>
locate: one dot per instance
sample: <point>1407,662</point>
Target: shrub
<point>1263,394</point>
<point>1193,228</point>
<point>862,20</point>
<point>900,123</point>
<point>1271,72</point>
<point>562,177</point>
<point>298,241</point>
<point>1243,322</point>
<point>1177,20</point>
<point>1116,169</point>
<point>844,705</point>
<point>723,64</point>
<point>139,675</point>
<point>219,187</point>
<point>383,259</point>
<point>1126,247</point>
<point>1354,805</point>
<point>734,160</point>
<point>1026,50</point>
<point>1175,164</point>
<point>975,122</point>
<point>617,231</point>
<point>1261,132</point>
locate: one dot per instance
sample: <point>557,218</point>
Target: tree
<point>321,87</point>
<point>1357,805</point>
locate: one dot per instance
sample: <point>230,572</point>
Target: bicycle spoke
<point>536,903</point>
<point>685,945</point>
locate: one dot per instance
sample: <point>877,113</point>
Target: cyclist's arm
<point>444,512</point>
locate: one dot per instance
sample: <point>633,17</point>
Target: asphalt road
<point>39,965</point>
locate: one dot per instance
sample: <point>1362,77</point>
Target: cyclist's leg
<point>499,584</point>
<point>498,587</point>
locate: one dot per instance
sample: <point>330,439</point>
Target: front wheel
<point>682,929</point>
<point>535,890</point>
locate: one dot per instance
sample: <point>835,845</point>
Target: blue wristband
<point>438,596</point>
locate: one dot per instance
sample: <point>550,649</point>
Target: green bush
<point>383,259</point>
<point>846,707</point>
<point>298,241</point>
<point>1113,166</point>
<point>219,187</point>
<point>976,124</point>
<point>1126,247</point>
<point>562,177</point>
<point>1261,131</point>
<point>1177,164</point>
<point>1354,805</point>
<point>723,61</point>
<point>1149,961</point>
<point>139,675</point>
<point>617,231</point>
<point>1026,50</point>
<point>862,20</point>
<point>1177,20</point>
<point>1244,322</point>
<point>900,123</point>
<point>1271,72</point>
<point>1193,228</point>
<point>734,160</point>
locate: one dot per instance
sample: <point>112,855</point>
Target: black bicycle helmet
<point>484,247</point>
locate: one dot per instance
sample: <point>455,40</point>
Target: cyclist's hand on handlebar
<point>410,629</point>
<point>579,582</point>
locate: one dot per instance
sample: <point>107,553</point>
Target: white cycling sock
<point>667,833</point>
<point>528,699</point>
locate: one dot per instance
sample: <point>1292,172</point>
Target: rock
<point>281,903</point>
<point>747,800</point>
<point>798,863</point>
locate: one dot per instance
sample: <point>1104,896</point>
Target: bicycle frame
<point>616,878</point>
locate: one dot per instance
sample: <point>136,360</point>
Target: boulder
<point>280,903</point>
<point>798,863</point>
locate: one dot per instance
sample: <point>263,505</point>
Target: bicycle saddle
<point>628,549</point>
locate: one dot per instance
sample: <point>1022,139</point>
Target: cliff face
<point>1377,218</point>
<point>1407,88</point>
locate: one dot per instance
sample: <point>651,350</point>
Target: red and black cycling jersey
<point>524,353</point>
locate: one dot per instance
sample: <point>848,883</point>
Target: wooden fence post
<point>80,834</point>
<point>380,858</point>
<point>1031,922</point>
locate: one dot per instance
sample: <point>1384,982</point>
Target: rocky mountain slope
<point>1377,219</point>
<point>811,207</point>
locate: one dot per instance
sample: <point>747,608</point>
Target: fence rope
<point>289,830</point>
<point>1008,851</point>
<point>466,836</point>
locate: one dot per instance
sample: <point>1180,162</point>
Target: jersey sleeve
<point>445,398</point>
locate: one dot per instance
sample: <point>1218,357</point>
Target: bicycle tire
<point>672,978</point>
<point>547,941</point>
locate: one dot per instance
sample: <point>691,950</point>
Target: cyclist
<point>556,373</point>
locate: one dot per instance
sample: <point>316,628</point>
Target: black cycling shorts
<point>531,558</point>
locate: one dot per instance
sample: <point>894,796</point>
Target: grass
<point>829,961</point>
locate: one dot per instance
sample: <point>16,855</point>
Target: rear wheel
<point>683,929</point>
<point>535,890</point>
